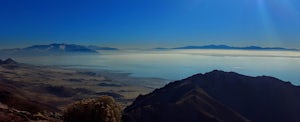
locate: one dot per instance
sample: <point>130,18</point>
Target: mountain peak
<point>180,101</point>
<point>214,74</point>
<point>260,99</point>
<point>55,47</point>
<point>220,72</point>
<point>245,94</point>
<point>8,61</point>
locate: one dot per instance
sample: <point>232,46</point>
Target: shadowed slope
<point>179,102</point>
<point>260,99</point>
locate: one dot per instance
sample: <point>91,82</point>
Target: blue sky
<point>150,23</point>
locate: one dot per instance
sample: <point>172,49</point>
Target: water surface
<point>179,64</point>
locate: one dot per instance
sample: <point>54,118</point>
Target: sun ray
<point>286,5</point>
<point>266,20</point>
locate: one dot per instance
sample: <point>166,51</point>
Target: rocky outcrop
<point>102,109</point>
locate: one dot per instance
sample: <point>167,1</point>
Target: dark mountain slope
<point>179,102</point>
<point>260,99</point>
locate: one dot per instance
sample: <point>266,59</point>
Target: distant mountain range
<point>101,48</point>
<point>226,47</point>
<point>60,48</point>
<point>55,49</point>
<point>219,96</point>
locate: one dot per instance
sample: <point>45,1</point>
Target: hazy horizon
<point>179,64</point>
<point>142,48</point>
<point>146,24</point>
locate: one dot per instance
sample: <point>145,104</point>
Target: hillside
<point>219,96</point>
<point>179,102</point>
<point>31,89</point>
<point>260,99</point>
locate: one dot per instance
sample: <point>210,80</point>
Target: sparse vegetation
<point>102,109</point>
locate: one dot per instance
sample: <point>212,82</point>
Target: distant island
<point>226,47</point>
<point>60,48</point>
<point>55,49</point>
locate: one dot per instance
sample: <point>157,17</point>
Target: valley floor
<point>53,88</point>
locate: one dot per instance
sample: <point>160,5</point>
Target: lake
<point>179,64</point>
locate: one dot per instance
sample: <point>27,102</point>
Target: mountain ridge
<point>179,102</point>
<point>226,47</point>
<point>259,99</point>
<point>94,47</point>
<point>60,48</point>
<point>55,49</point>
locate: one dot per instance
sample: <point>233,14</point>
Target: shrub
<point>102,109</point>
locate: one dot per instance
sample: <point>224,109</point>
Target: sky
<point>150,23</point>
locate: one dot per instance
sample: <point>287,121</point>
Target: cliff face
<point>219,96</point>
